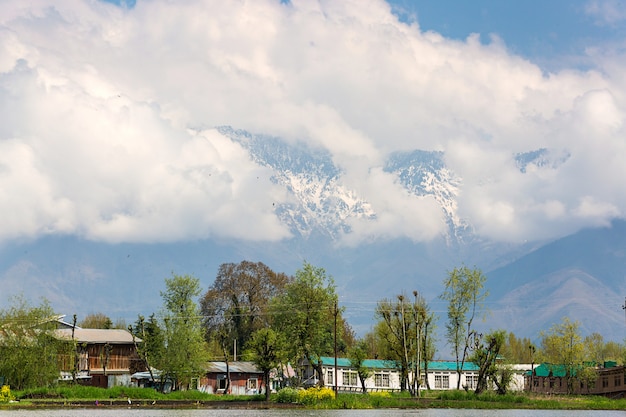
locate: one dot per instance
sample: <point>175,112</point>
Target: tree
<point>184,352</point>
<point>428,346</point>
<point>614,351</point>
<point>267,349</point>
<point>357,355</point>
<point>304,314</point>
<point>517,350</point>
<point>485,352</point>
<point>406,338</point>
<point>562,345</point>
<point>465,295</point>
<point>594,348</point>
<point>29,350</point>
<point>151,350</point>
<point>235,305</point>
<point>96,321</point>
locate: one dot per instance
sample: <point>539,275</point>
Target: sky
<point>108,113</point>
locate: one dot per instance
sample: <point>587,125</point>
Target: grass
<point>79,392</point>
<point>320,399</point>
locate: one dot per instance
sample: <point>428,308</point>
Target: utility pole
<point>624,308</point>
<point>417,354</point>
<point>336,313</point>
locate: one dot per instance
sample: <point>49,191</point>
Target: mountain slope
<point>582,276</point>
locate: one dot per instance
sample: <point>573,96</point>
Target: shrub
<point>5,394</point>
<point>315,395</point>
<point>287,395</point>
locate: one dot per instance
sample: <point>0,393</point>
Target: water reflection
<point>117,412</point>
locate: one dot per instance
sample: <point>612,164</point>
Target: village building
<point>245,378</point>
<point>385,375</point>
<point>105,357</point>
<point>607,380</point>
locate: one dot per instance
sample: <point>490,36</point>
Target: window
<point>221,382</point>
<point>442,381</point>
<point>605,382</point>
<point>381,379</point>
<point>252,383</point>
<point>471,381</point>
<point>330,377</point>
<point>349,378</point>
<point>618,380</point>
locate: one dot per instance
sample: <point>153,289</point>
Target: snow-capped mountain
<point>425,173</point>
<point>322,204</point>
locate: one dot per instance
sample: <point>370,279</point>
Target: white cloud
<point>607,12</point>
<point>96,103</point>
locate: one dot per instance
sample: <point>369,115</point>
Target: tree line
<point>273,319</point>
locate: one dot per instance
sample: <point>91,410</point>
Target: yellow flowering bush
<point>5,394</point>
<point>380,394</point>
<point>315,395</point>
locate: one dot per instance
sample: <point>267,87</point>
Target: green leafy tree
<point>406,339</point>
<point>465,294</point>
<point>184,352</point>
<point>594,348</point>
<point>614,351</point>
<point>517,350</point>
<point>151,350</point>
<point>485,353</point>
<point>96,321</point>
<point>267,350</point>
<point>29,350</point>
<point>304,314</point>
<point>562,345</point>
<point>235,305</point>
<point>357,356</point>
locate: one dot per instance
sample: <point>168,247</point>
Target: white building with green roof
<point>385,375</point>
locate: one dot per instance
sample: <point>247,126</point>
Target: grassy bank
<point>65,396</point>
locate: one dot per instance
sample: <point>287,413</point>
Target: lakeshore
<point>450,400</point>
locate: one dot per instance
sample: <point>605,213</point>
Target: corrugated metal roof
<point>111,336</point>
<point>386,364</point>
<point>369,363</point>
<point>237,367</point>
<point>451,366</point>
<point>547,369</point>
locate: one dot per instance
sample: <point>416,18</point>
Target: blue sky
<point>551,33</point>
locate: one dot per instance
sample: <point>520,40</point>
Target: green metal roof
<point>368,363</point>
<point>451,366</point>
<point>387,364</point>
<point>548,369</point>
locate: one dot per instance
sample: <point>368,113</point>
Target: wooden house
<point>608,380</point>
<point>245,379</point>
<point>104,357</point>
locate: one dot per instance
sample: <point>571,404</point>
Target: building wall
<point>348,379</point>
<point>240,384</point>
<point>609,382</point>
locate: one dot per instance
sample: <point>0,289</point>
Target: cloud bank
<point>107,117</point>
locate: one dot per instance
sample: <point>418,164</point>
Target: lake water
<point>120,412</point>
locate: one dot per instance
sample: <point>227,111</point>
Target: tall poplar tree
<point>185,351</point>
<point>464,291</point>
<point>304,314</point>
